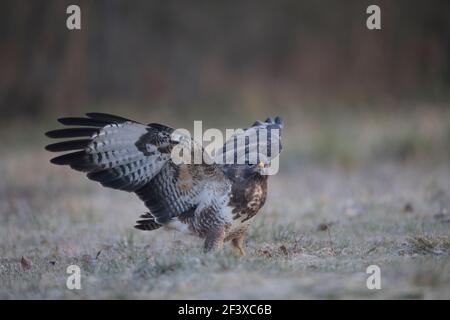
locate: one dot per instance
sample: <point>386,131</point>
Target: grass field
<point>382,199</point>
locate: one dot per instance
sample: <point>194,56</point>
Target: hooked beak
<point>261,165</point>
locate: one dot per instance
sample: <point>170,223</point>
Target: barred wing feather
<point>261,141</point>
<point>117,152</point>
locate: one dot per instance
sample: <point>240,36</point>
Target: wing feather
<point>78,121</point>
<point>124,154</point>
<point>72,133</point>
<point>255,141</point>
<point>108,117</point>
<point>68,145</point>
<point>119,153</point>
<point>178,190</point>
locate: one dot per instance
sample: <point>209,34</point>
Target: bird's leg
<point>238,242</point>
<point>214,239</point>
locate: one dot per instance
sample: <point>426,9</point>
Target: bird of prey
<point>213,201</point>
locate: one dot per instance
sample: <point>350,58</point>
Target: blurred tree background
<point>221,55</point>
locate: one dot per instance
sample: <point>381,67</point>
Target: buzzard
<point>213,201</point>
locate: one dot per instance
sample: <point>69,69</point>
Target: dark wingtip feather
<point>72,133</point>
<point>107,117</point>
<point>161,127</point>
<point>279,121</point>
<point>78,121</point>
<point>50,134</point>
<point>147,215</point>
<point>103,176</point>
<point>147,224</point>
<point>68,145</point>
<point>69,158</point>
<point>144,221</point>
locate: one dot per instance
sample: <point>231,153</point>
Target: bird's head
<point>258,169</point>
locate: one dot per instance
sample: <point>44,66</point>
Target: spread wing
<point>179,190</point>
<point>117,152</point>
<point>126,155</point>
<point>261,141</point>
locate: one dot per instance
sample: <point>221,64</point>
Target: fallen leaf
<point>284,250</point>
<point>25,263</point>
<point>408,208</point>
<point>266,253</point>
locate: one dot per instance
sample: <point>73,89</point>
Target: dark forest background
<point>225,56</point>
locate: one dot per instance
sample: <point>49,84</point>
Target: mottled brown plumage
<point>214,201</point>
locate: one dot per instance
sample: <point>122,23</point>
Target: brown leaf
<point>25,263</point>
<point>408,208</point>
<point>284,250</point>
<point>266,253</point>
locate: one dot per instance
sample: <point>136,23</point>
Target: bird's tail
<point>147,223</point>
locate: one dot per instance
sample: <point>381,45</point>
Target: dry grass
<point>322,226</point>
